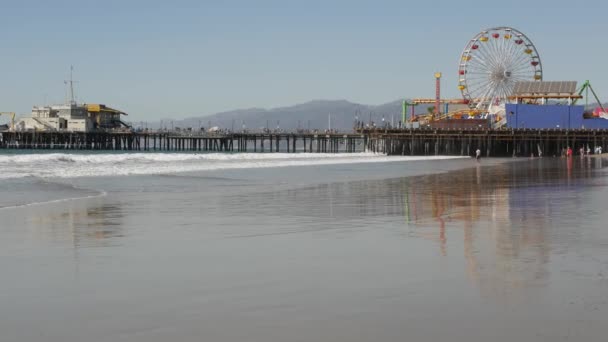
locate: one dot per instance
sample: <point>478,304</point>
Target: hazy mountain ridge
<point>314,114</point>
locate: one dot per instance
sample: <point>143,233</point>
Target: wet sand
<point>495,251</point>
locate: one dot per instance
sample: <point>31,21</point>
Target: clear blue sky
<point>185,58</point>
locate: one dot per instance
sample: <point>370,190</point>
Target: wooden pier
<point>491,142</point>
<point>496,143</point>
<point>233,142</point>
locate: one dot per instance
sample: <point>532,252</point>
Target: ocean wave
<point>169,157</point>
<point>68,165</point>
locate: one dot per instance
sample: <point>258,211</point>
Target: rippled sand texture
<point>497,251</point>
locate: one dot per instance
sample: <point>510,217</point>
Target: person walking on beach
<point>569,152</point>
<point>478,154</point>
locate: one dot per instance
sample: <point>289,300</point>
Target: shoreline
<point>285,176</point>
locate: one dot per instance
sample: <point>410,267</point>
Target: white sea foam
<point>68,165</point>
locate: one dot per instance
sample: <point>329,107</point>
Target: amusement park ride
<point>492,62</point>
<point>600,111</point>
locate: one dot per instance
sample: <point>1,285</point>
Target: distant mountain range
<point>318,114</point>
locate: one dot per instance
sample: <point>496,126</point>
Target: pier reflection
<point>90,223</point>
<point>498,218</point>
<point>503,215</point>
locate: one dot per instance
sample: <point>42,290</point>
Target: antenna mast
<point>72,101</point>
<point>71,83</point>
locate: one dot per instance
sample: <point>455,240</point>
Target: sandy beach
<point>459,250</point>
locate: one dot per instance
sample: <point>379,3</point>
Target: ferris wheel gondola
<point>492,62</point>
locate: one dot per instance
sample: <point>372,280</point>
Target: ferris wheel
<point>492,62</point>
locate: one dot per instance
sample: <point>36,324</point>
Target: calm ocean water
<point>203,247</point>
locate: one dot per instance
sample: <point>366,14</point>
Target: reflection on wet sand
<point>500,215</point>
<point>505,213</point>
<point>90,223</point>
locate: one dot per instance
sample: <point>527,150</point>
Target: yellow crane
<point>12,115</point>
